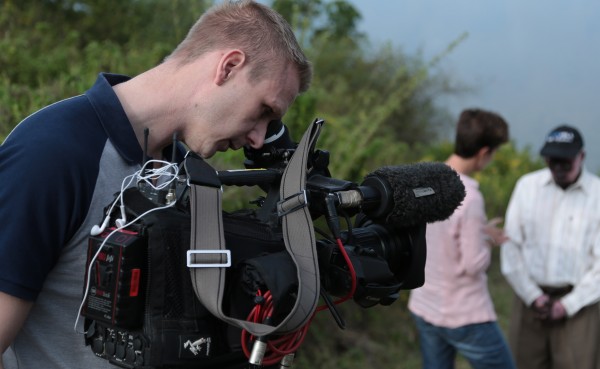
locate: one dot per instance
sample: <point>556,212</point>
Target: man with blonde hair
<point>239,67</point>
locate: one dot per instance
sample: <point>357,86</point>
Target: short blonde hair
<point>259,31</point>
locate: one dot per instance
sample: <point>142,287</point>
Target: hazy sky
<point>535,62</point>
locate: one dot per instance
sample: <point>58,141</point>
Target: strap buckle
<point>225,264</point>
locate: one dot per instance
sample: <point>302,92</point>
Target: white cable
<point>171,171</point>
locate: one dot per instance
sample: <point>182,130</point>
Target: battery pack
<point>117,279</point>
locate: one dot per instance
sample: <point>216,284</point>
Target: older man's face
<point>565,171</point>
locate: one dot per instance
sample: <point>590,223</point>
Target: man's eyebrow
<point>276,110</point>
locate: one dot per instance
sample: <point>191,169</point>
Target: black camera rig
<point>143,310</point>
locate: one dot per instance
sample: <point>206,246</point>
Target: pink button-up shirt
<point>455,291</point>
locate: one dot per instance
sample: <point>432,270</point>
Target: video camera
<point>135,319</point>
<point>369,242</point>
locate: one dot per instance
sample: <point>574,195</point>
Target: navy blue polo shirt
<point>51,165</point>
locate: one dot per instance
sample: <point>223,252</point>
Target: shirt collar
<point>584,182</point>
<point>468,181</point>
<point>113,118</point>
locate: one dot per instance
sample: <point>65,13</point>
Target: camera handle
<point>207,242</point>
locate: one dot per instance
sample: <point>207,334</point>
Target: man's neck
<point>466,166</point>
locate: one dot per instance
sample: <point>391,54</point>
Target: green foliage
<point>379,103</point>
<point>313,19</point>
<point>53,49</point>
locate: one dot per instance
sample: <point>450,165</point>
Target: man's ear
<point>483,156</point>
<point>229,64</point>
<point>484,151</point>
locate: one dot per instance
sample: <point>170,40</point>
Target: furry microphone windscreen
<point>422,192</point>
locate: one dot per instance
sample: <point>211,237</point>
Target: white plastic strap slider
<point>208,263</point>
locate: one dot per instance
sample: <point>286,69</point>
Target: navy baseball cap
<point>563,142</point>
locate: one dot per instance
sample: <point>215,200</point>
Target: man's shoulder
<point>62,132</point>
<point>591,181</point>
<point>592,176</point>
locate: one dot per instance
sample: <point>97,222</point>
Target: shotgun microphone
<point>406,195</point>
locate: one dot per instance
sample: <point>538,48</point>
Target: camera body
<point>147,314</point>
<point>388,257</point>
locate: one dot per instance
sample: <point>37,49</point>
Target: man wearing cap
<point>552,259</point>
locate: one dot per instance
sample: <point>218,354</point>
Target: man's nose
<point>256,137</point>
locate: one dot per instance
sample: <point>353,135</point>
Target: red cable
<point>352,276</point>
<point>289,343</point>
<point>279,347</point>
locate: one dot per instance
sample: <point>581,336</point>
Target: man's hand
<point>494,233</point>
<point>549,310</point>
<point>542,306</point>
<point>557,312</point>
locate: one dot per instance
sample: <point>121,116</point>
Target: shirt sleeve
<point>45,193</point>
<point>511,254</point>
<point>586,292</point>
<point>474,250</point>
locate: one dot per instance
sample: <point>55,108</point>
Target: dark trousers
<point>573,343</point>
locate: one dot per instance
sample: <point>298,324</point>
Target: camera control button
<point>110,348</point>
<point>137,343</point>
<point>120,353</point>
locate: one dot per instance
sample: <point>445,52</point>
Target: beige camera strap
<point>208,257</point>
